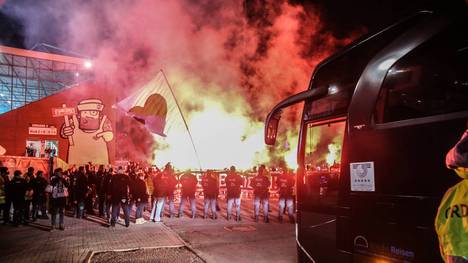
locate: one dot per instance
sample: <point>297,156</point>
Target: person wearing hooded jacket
<point>17,189</point>
<point>285,184</point>
<point>210,193</point>
<point>5,202</point>
<point>29,177</point>
<point>261,184</point>
<point>171,183</point>
<point>132,176</point>
<point>189,187</point>
<point>91,185</point>
<point>452,216</point>
<point>106,189</point>
<point>81,191</point>
<point>159,196</point>
<point>39,184</point>
<point>139,195</point>
<point>233,186</point>
<point>100,176</point>
<point>120,185</point>
<point>58,198</point>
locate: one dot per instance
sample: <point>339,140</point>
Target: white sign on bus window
<point>362,177</point>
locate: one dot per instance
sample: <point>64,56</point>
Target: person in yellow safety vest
<point>452,217</point>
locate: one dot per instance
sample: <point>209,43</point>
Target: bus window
<point>322,162</point>
<point>429,81</point>
<point>332,105</point>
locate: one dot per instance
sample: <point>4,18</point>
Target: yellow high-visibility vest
<point>452,221</point>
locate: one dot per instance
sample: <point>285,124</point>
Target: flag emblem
<point>152,114</point>
<point>153,105</point>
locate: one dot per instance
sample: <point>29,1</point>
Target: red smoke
<point>257,52</point>
<point>133,142</point>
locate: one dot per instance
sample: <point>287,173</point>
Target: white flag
<point>153,105</point>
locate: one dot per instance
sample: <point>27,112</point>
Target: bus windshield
<point>322,161</point>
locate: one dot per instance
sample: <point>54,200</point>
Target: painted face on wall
<point>89,120</point>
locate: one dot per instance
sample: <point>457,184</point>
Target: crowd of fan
<point>81,190</point>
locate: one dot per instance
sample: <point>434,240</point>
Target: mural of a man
<point>90,130</point>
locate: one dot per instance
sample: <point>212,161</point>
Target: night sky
<point>341,17</point>
<point>344,16</point>
<point>10,31</point>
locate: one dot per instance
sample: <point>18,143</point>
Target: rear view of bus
<point>378,119</point>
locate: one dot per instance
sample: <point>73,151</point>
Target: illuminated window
<point>322,161</point>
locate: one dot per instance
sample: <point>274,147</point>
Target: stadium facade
<point>49,107</point>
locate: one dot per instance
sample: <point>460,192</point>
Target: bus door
<point>318,200</point>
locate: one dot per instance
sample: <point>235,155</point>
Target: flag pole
<point>183,118</point>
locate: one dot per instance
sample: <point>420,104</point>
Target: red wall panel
<point>14,125</point>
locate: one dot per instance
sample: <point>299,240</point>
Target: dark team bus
<point>378,119</point>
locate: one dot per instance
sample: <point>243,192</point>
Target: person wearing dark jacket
<point>39,184</point>
<point>140,196</point>
<point>233,186</point>
<point>261,184</point>
<point>81,191</point>
<point>210,193</point>
<point>189,187</point>
<point>90,197</point>
<point>5,207</point>
<point>17,190</point>
<point>171,184</point>
<point>29,176</point>
<point>106,191</point>
<point>132,175</point>
<point>159,196</point>
<point>285,184</point>
<point>58,198</point>
<point>100,189</point>
<point>120,185</point>
<point>72,175</point>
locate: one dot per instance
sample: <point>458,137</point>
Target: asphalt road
<point>207,239</point>
<point>246,241</point>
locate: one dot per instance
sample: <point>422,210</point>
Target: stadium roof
<point>27,75</point>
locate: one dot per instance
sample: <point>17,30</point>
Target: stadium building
<point>50,108</point>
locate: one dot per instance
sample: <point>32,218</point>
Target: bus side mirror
<point>271,127</point>
<point>273,118</point>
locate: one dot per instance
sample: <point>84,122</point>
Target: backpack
<point>59,190</point>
